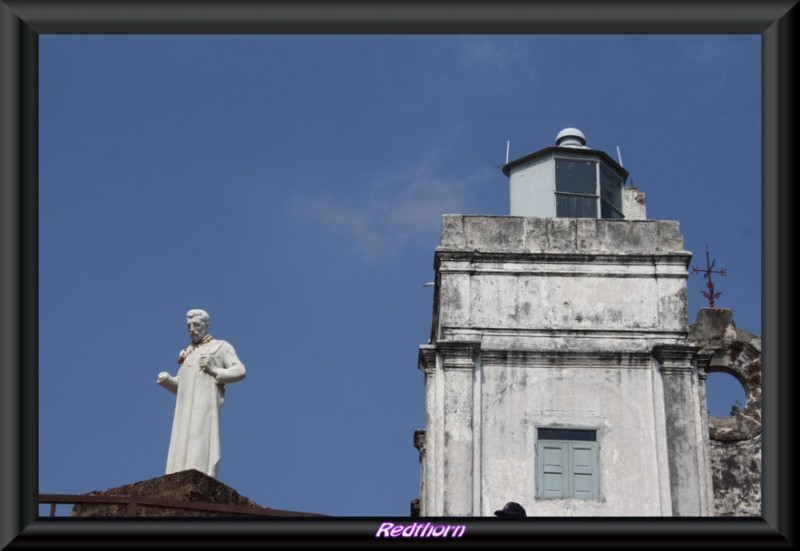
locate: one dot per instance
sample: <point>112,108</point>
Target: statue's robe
<point>195,441</point>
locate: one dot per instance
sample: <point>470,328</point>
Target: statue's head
<point>197,321</point>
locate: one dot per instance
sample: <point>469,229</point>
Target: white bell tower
<point>558,373</point>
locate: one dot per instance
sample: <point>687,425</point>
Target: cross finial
<point>710,295</point>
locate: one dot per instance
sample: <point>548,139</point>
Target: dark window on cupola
<point>576,189</point>
<point>578,193</point>
<point>610,193</point>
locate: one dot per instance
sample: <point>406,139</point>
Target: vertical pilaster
<point>419,443</point>
<point>458,363</point>
<point>703,360</point>
<point>429,482</point>
<point>687,467</point>
<point>477,436</point>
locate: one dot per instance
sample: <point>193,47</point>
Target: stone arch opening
<point>725,394</point>
<point>743,362</point>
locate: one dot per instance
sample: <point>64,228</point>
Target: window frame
<point>598,196</point>
<point>613,172</point>
<point>568,468</point>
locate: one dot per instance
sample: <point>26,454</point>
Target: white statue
<point>206,366</point>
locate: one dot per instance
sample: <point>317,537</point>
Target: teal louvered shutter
<point>552,479</point>
<point>567,464</point>
<point>583,470</point>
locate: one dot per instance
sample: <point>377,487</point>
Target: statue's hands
<point>167,381</point>
<point>204,366</point>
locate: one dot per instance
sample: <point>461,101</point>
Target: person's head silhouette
<point>511,509</point>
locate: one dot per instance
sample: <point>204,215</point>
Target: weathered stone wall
<point>736,469</point>
<point>735,441</point>
<point>613,400</point>
<point>506,277</point>
<point>547,322</point>
<point>634,204</point>
<point>516,234</point>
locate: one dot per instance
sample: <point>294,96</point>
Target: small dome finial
<point>571,137</point>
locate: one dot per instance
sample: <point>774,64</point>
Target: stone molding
<point>534,257</point>
<point>565,358</point>
<point>457,333</point>
<point>427,358</point>
<point>458,354</point>
<point>703,361</point>
<point>419,442</point>
<point>630,266</point>
<point>675,358</point>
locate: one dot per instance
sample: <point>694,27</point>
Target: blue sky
<point>293,187</point>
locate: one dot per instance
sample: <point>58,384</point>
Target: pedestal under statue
<point>206,366</point>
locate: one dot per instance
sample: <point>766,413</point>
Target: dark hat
<point>511,509</point>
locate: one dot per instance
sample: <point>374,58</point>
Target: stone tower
<point>558,374</point>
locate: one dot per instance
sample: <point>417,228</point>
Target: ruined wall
<point>164,496</point>
<point>736,471</point>
<point>190,485</point>
<point>735,441</point>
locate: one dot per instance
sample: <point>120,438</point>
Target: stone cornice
<point>703,361</point>
<point>419,441</point>
<point>427,358</point>
<point>514,234</point>
<point>504,264</point>
<point>675,357</point>
<point>459,332</point>
<point>445,254</point>
<point>565,358</point>
<point>458,354</point>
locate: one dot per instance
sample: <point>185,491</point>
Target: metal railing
<point>133,502</point>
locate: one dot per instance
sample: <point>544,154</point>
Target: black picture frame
<point>21,23</point>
